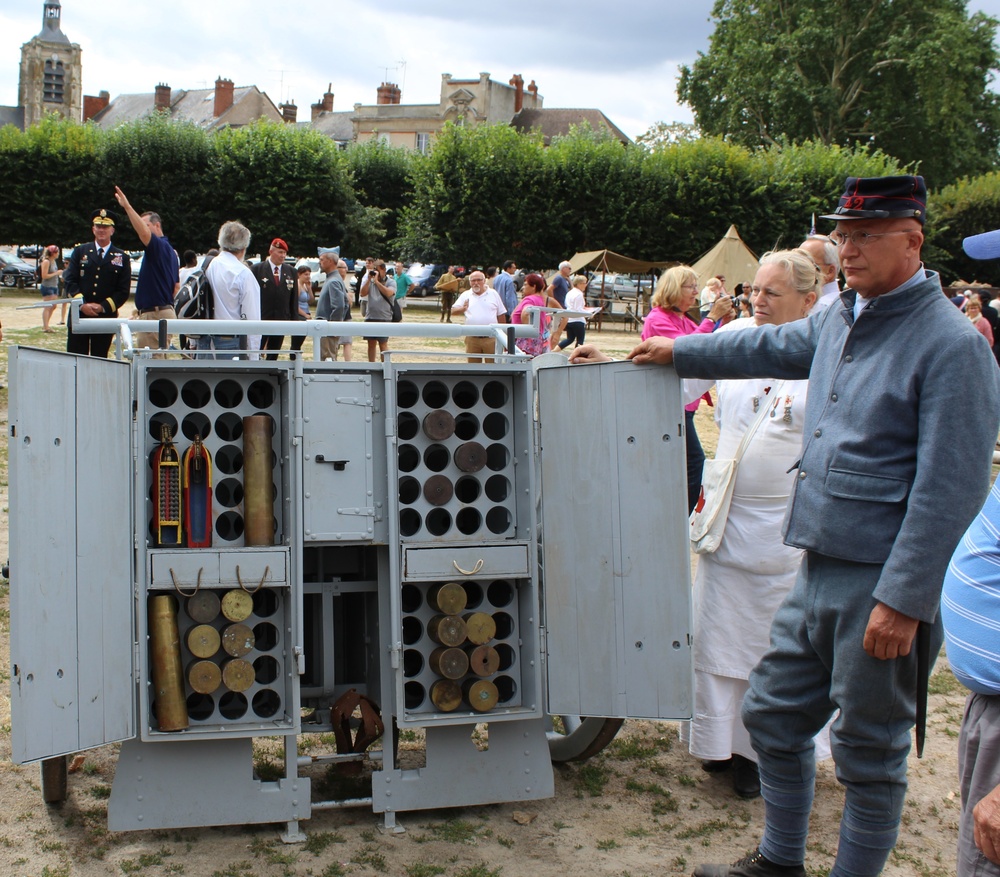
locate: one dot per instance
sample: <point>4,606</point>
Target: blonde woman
<point>574,327</point>
<point>738,589</point>
<point>676,293</point>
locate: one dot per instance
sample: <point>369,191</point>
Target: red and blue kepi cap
<point>882,198</point>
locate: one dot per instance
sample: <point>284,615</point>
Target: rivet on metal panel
<point>631,439</point>
<point>638,644</point>
<point>666,437</point>
<point>676,644</point>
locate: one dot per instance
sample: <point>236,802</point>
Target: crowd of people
<point>816,617</point>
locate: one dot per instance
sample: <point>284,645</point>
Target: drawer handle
<point>177,587</point>
<point>263,578</point>
<point>468,572</point>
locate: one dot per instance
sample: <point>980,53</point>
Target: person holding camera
<point>379,290</point>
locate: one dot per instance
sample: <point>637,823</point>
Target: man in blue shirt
<point>505,287</point>
<point>159,274</point>
<point>560,283</point>
<point>970,611</point>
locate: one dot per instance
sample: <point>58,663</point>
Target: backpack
<point>38,271</point>
<point>194,300</point>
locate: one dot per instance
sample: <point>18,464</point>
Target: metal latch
<point>339,465</point>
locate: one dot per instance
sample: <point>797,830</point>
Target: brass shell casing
<point>258,485</point>
<point>168,676</point>
<point>484,660</point>
<point>449,663</point>
<point>481,694</point>
<point>448,598</point>
<point>237,605</point>
<point>446,695</point>
<point>203,641</point>
<point>204,676</point>
<point>237,674</point>
<point>480,628</point>
<point>203,607</point>
<point>238,640</point>
<point>446,630</point>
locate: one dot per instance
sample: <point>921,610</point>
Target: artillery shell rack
<point>204,552</point>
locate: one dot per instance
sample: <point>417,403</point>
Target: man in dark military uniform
<point>100,274</point>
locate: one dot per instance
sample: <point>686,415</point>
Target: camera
<point>373,273</point>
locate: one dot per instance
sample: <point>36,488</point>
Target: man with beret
<point>159,273</point>
<point>100,274</point>
<point>278,293</point>
<point>880,501</point>
<point>970,610</point>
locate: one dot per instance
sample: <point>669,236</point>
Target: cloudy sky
<point>620,57</point>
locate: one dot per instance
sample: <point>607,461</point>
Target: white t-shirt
<point>484,309</point>
<point>575,302</point>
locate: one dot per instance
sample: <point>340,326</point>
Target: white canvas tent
<point>731,258</point>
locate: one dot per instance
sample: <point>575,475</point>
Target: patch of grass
<point>944,682</point>
<point>505,841</point>
<point>422,869</point>
<point>236,869</point>
<point>608,844</point>
<point>456,831</point>
<point>636,832</point>
<point>101,791</point>
<point>61,871</point>
<point>630,748</point>
<point>371,857</point>
<point>685,780</point>
<point>334,786</point>
<point>480,870</point>
<point>591,780</point>
<point>709,827</point>
<point>316,843</point>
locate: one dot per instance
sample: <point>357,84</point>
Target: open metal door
<point>616,565</point>
<point>71,567</point>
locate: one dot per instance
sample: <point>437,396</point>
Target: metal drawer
<point>458,562</point>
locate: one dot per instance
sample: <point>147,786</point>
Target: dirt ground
<point>642,807</point>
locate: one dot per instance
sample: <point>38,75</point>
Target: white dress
<point>738,589</point>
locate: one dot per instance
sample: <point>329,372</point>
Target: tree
<point>380,175</point>
<point>908,78</point>
<point>663,134</point>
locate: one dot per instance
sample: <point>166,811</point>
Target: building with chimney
<point>481,101</point>
<point>224,106</point>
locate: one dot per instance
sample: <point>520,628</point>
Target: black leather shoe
<point>717,766</point>
<point>746,778</point>
<point>753,865</point>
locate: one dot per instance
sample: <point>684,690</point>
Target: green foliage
<point>965,208</point>
<point>913,82</point>
<point>380,175</point>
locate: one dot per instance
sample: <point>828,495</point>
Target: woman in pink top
<point>676,293</point>
<point>974,311</point>
<point>534,295</point>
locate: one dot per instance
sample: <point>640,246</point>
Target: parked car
<point>425,286</point>
<point>316,277</point>
<point>15,271</point>
<point>616,286</point>
<point>29,251</point>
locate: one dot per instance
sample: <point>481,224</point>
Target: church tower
<point>51,71</point>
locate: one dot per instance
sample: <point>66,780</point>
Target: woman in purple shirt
<point>676,293</point>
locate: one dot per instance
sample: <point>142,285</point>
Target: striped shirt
<point>970,602</point>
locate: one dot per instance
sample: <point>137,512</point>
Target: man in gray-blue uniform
<point>896,375</point>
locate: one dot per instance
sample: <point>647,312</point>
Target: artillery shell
<point>204,676</point>
<point>481,694</point>
<point>449,598</point>
<point>258,485</point>
<point>237,674</point>
<point>203,607</point>
<point>446,695</point>
<point>480,628</point>
<point>168,676</point>
<point>484,660</point>
<point>237,605</point>
<point>203,641</point>
<point>238,640</point>
<point>438,490</point>
<point>439,425</point>
<point>448,630</point>
<point>449,663</point>
<point>470,457</point>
